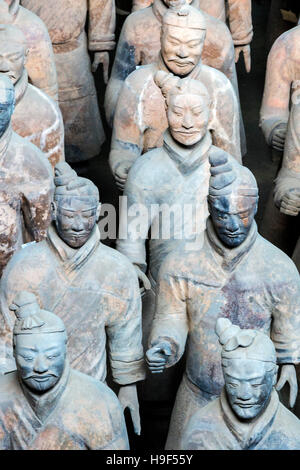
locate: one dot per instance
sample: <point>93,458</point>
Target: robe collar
<point>230,258</point>
<point>159,8</point>
<point>21,86</point>
<point>5,141</point>
<point>249,434</point>
<point>186,159</point>
<point>73,259</point>
<point>43,405</point>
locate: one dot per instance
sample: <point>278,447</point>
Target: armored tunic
<point>94,290</point>
<point>65,21</point>
<point>79,413</point>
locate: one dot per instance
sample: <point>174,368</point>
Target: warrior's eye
<point>53,356</point>
<point>233,385</point>
<point>28,358</point>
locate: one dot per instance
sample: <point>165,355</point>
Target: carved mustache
<point>183,62</point>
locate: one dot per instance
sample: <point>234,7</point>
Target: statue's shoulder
<point>9,386</point>
<point>276,260</point>
<point>140,77</point>
<point>25,18</point>
<point>137,20</point>
<point>118,265</point>
<point>44,105</point>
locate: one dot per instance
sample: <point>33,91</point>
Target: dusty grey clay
<point>93,288</point>
<point>53,406</point>
<point>140,118</point>
<point>26,183</point>
<point>236,274</point>
<point>37,117</point>
<point>40,63</point>
<point>248,414</point>
<point>66,21</point>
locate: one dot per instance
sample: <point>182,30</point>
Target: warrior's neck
<point>21,86</point>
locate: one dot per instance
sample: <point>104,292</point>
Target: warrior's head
<point>40,344</point>
<point>182,39</point>
<point>76,206</point>
<point>6,15</point>
<point>176,3</point>
<point>7,103</point>
<point>232,199</point>
<point>13,52</point>
<point>249,368</point>
<point>188,107</point>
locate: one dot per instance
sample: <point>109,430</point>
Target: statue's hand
<point>278,137</point>
<point>121,174</point>
<point>101,58</point>
<point>290,203</point>
<point>288,374</point>
<point>157,357</point>
<point>129,399</point>
<point>246,50</point>
<point>143,278</point>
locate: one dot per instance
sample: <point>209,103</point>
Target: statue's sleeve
<point>225,121</point>
<point>139,4</point>
<point>135,220</point>
<point>37,198</point>
<point>171,320</point>
<point>240,21</point>
<point>276,97</point>
<point>40,62</point>
<point>126,59</point>
<point>285,330</point>
<point>127,137</point>
<point>124,330</point>
<point>102,23</point>
<point>289,175</point>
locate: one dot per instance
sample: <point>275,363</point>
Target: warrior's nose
<point>40,365</point>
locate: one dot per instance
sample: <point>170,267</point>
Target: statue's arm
<point>170,324</point>
<point>126,60</point>
<point>274,111</point>
<point>40,62</point>
<point>240,21</point>
<point>102,23</point>
<point>225,125</point>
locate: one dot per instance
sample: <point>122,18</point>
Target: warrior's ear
<point>53,211</point>
<point>26,55</point>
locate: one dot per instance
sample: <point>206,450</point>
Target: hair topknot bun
<point>67,183</point>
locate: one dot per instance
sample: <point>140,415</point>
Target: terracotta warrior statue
<point>36,117</point>
<point>236,274</point>
<point>40,62</point>
<point>93,288</point>
<point>287,183</point>
<point>139,44</point>
<point>140,118</point>
<point>248,414</point>
<point>65,20</point>
<point>239,18</point>
<point>53,406</point>
<point>26,183</point>
<point>171,181</point>
<point>283,75</point>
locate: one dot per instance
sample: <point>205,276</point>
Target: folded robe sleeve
<point>285,329</point>
<point>102,23</point>
<point>124,330</point>
<point>171,318</point>
<point>240,21</point>
<point>276,97</point>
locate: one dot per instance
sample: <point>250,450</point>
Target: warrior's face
<point>12,60</point>
<point>181,48</point>
<point>75,217</point>
<point>188,116</point>
<point>248,386</point>
<point>40,359</point>
<point>7,101</point>
<point>232,217</point>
